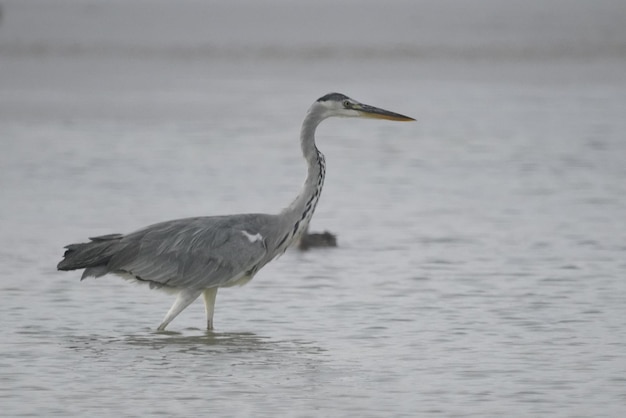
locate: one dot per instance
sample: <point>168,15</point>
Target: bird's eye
<point>347,104</point>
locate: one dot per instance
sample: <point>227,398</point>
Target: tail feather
<point>92,256</point>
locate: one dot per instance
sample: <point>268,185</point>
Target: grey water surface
<point>481,267</point>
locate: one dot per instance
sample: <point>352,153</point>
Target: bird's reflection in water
<point>200,342</point>
<point>238,341</point>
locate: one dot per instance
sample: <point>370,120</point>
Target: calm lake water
<point>482,250</point>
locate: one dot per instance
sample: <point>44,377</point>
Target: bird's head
<point>337,104</point>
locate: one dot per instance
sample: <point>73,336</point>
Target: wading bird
<point>196,256</point>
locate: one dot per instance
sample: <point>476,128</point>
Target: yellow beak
<point>377,113</point>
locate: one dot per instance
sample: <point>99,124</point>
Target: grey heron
<point>196,256</point>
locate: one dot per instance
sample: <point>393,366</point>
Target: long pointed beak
<point>377,113</point>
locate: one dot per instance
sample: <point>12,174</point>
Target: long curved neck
<point>298,214</point>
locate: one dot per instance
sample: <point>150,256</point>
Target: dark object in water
<point>317,240</point>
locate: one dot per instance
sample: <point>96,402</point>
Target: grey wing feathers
<point>107,237</point>
<point>91,254</point>
<point>195,253</point>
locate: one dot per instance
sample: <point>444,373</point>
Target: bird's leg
<point>184,299</point>
<point>209,305</point>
